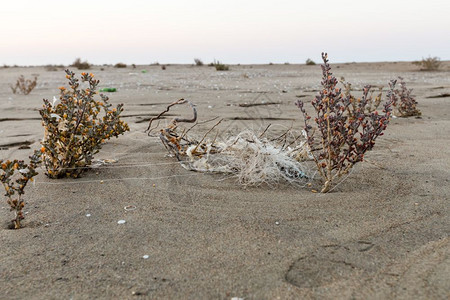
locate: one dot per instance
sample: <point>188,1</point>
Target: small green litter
<point>110,90</point>
<point>144,71</point>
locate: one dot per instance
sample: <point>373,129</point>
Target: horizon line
<point>5,66</point>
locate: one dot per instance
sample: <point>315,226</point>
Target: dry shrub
<point>15,175</point>
<point>120,65</point>
<point>341,139</point>
<point>429,64</point>
<point>198,62</point>
<point>81,65</point>
<point>74,128</point>
<point>24,86</point>
<point>310,62</point>
<point>373,102</point>
<point>220,66</point>
<point>53,68</point>
<point>405,104</point>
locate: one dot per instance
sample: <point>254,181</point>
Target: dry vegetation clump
<point>310,62</point>
<point>341,139</point>
<point>405,104</point>
<point>220,66</point>
<point>24,86</point>
<point>198,62</point>
<point>373,102</point>
<point>429,64</point>
<point>53,68</point>
<point>120,65</point>
<point>81,65</point>
<point>74,128</point>
<point>15,175</point>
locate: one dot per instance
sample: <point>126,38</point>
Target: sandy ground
<point>382,233</point>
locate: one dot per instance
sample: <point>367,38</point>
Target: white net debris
<point>253,160</point>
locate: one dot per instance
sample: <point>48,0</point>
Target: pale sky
<point>39,32</point>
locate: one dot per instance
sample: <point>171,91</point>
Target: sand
<point>381,233</point>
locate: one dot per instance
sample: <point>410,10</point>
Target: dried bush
<point>74,129</point>
<point>53,68</point>
<point>342,140</point>
<point>310,62</point>
<point>220,67</point>
<point>198,62</point>
<point>15,175</point>
<point>120,65</point>
<point>81,65</point>
<point>24,86</point>
<point>429,64</point>
<point>405,104</point>
<point>373,102</point>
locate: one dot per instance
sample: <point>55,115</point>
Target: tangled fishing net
<point>252,159</point>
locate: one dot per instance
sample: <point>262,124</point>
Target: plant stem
<point>329,158</point>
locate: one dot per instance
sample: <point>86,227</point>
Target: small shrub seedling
<point>74,129</point>
<point>343,139</point>
<point>14,175</point>
<point>24,86</point>
<point>405,104</point>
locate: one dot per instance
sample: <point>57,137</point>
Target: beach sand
<point>382,233</point>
